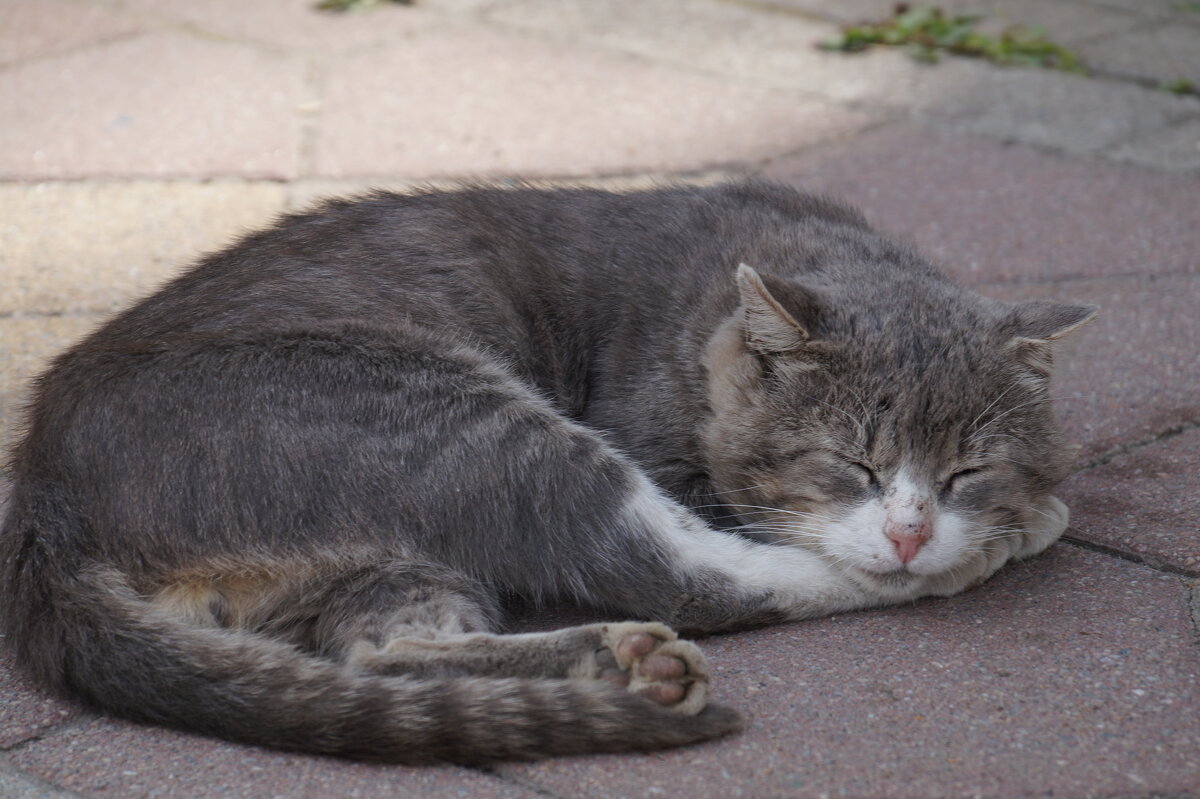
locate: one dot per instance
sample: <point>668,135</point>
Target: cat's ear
<point>1039,323</point>
<point>769,328</point>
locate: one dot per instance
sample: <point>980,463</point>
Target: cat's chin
<point>893,583</point>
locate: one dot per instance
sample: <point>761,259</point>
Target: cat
<point>285,499</point>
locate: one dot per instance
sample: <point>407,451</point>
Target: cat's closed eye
<point>961,478</point>
<point>865,472</point>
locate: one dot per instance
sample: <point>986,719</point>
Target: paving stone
<point>1063,22</point>
<point>733,39</point>
<point>113,758</point>
<point>16,786</point>
<point>1042,107</point>
<point>1144,503</point>
<point>1176,148</point>
<point>1165,52</point>
<point>1180,10</point>
<point>1072,674</point>
<point>205,108</point>
<point>1051,109</point>
<point>30,30</point>
<point>1131,374</point>
<point>294,24</point>
<point>25,710</point>
<point>988,211</point>
<point>96,245</point>
<point>471,102</point>
<point>26,346</point>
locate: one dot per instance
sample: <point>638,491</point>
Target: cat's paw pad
<point>650,661</point>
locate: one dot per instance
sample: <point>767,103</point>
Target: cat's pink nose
<point>908,538</point>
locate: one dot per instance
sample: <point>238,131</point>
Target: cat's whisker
<point>735,490</point>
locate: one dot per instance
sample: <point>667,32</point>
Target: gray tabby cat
<point>283,499</point>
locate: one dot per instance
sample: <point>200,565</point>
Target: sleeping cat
<point>283,499</point>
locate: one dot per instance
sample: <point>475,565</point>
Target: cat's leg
<point>421,620</point>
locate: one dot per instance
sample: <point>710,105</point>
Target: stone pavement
<point>135,134</point>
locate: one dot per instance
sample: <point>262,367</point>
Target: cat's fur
<point>282,499</point>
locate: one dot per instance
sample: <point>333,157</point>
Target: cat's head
<point>901,429</point>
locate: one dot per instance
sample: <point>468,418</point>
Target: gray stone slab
<point>1131,374</point>
<point>1162,53</point>
<point>988,211</point>
<point>732,39</point>
<point>31,30</point>
<point>1072,674</point>
<point>1175,148</point>
<point>293,24</point>
<point>107,758</point>
<point>1042,107</point>
<point>16,786</point>
<point>1144,503</point>
<point>1150,9</point>
<point>162,104</point>
<point>1063,22</point>
<point>1051,109</point>
<point>473,102</point>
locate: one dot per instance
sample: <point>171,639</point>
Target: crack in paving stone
<point>51,730</point>
<point>1134,446</point>
<point>1193,589</point>
<point>1117,277</point>
<point>1132,557</point>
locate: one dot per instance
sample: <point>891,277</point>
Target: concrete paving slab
<point>1163,53</point>
<point>1072,674</point>
<point>1144,503</point>
<point>1131,374</point>
<point>25,710</point>
<point>473,102</point>
<point>30,30</point>
<point>1042,107</point>
<point>112,758</point>
<point>293,24</point>
<point>1048,108</point>
<point>732,39</point>
<point>988,211</point>
<point>1063,22</point>
<point>67,247</point>
<point>26,346</point>
<point>1149,9</point>
<point>16,786</point>
<point>205,108</point>
<point>1175,148</point>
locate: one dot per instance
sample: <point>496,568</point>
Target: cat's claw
<point>650,661</point>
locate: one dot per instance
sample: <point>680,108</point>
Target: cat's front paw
<point>1045,522</point>
<point>651,661</point>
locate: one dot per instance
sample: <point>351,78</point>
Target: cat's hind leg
<point>400,618</point>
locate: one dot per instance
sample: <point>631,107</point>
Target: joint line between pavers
<point>1126,555</point>
<point>1193,589</point>
<point>69,51</point>
<point>1134,446</point>
<point>310,120</point>
<point>1064,280</point>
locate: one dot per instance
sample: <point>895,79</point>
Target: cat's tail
<point>131,657</point>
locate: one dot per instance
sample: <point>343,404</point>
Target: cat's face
<point>901,447</point>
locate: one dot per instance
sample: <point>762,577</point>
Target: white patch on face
<point>861,538</point>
